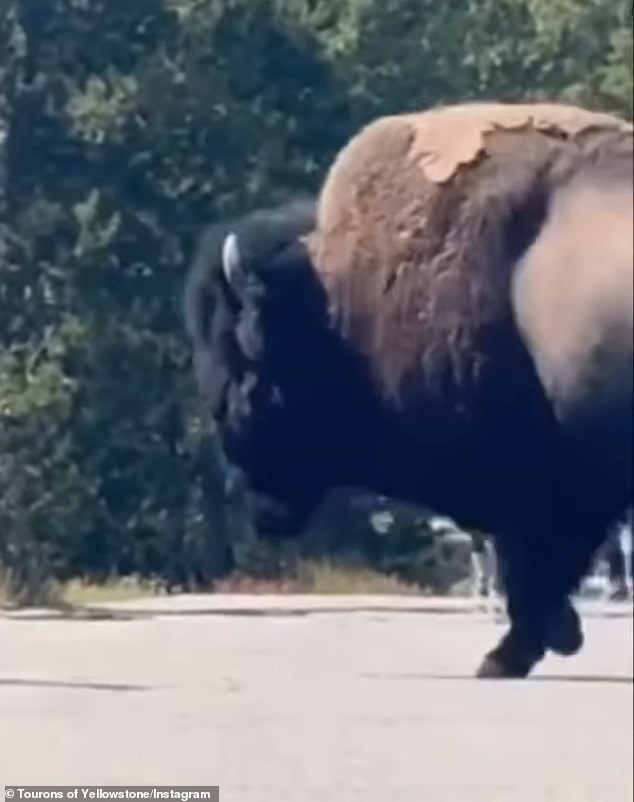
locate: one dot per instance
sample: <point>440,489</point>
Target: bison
<point>449,323</point>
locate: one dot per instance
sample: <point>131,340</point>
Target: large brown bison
<point>451,324</point>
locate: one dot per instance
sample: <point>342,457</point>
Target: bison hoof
<point>499,666</point>
<point>565,636</point>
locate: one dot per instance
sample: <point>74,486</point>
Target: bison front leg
<point>540,573</point>
<point>520,649</point>
<point>564,634</point>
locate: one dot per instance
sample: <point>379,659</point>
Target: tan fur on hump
<point>448,137</point>
<point>412,221</point>
<point>442,139</point>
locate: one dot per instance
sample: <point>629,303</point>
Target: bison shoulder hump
<point>438,141</point>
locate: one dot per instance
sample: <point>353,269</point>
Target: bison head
<point>284,394</point>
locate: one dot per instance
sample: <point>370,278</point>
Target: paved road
<point>300,700</point>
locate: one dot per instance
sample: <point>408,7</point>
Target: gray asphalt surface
<point>284,699</point>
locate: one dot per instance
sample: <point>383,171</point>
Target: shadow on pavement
<point>97,614</point>
<point>479,612</point>
<point>583,678</point>
<point>591,679</point>
<point>16,682</point>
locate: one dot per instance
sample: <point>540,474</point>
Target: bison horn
<point>231,259</point>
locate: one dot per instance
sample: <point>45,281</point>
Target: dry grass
<point>75,593</point>
<point>5,594</point>
<point>319,577</point>
<point>44,594</point>
<point>325,577</point>
<point>78,592</point>
<point>322,577</point>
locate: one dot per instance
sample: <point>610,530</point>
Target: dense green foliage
<point>126,125</point>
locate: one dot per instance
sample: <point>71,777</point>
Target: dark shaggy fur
<point>418,274</point>
<point>384,350</point>
<point>420,280</point>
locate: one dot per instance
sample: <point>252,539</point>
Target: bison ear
<point>232,267</point>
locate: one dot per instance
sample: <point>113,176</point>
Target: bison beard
<point>395,346</point>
